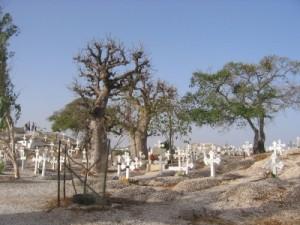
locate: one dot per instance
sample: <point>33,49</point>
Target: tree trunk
<point>259,142</point>
<point>12,149</point>
<point>133,146</point>
<point>100,153</point>
<point>16,169</point>
<point>141,142</point>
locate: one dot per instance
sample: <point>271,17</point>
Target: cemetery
<point>186,117</point>
<point>202,185</point>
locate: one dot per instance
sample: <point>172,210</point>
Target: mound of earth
<point>228,165</point>
<point>116,184</point>
<point>165,181</point>
<point>254,193</point>
<point>196,184</point>
<point>163,196</point>
<point>135,193</point>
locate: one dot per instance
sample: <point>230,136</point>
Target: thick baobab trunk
<point>100,150</point>
<point>141,143</point>
<point>259,139</point>
<point>138,144</point>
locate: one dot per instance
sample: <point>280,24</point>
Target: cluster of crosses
<point>125,163</point>
<point>185,159</point>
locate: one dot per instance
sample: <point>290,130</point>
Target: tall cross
<point>211,161</point>
<point>276,164</point>
<point>280,147</point>
<point>37,160</point>
<point>22,157</point>
<point>44,159</point>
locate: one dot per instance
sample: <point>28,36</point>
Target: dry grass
<point>52,204</point>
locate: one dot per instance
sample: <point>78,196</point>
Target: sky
<point>180,37</point>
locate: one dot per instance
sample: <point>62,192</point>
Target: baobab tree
<point>244,94</point>
<point>105,68</point>
<point>139,106</point>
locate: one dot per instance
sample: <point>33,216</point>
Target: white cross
<point>61,161</point>
<point>45,138</point>
<point>168,155</point>
<point>53,162</point>
<point>211,161</point>
<point>276,164</point>
<point>127,161</point>
<point>37,159</point>
<point>44,159</point>
<point>277,147</point>
<point>280,147</point>
<point>247,147</point>
<point>22,156</point>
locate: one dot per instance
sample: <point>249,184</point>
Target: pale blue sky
<point>180,36</point>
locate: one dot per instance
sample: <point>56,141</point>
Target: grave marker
<point>212,160</point>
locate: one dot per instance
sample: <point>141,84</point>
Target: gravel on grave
<point>196,184</point>
<point>145,194</point>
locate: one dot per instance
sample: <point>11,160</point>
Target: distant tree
<point>9,109</point>
<point>243,94</point>
<point>105,68</point>
<point>143,101</point>
<point>172,123</point>
<point>74,116</point>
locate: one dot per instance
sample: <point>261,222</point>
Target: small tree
<point>105,67</point>
<point>172,123</point>
<point>243,94</point>
<point>9,109</point>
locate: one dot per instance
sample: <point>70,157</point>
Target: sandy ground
<point>240,194</point>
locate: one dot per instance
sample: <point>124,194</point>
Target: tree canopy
<point>244,94</point>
